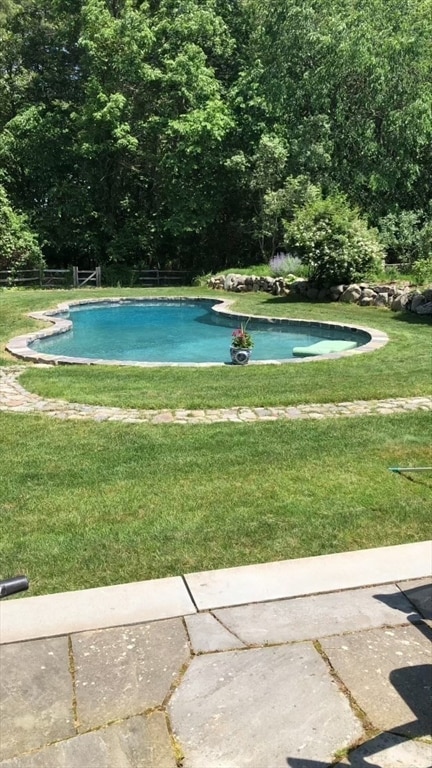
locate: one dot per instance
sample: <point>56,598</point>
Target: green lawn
<point>402,368</point>
<point>87,504</point>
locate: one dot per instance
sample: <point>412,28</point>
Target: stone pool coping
<point>191,593</point>
<point>19,345</point>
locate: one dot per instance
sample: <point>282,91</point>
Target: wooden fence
<point>163,277</point>
<point>78,278</point>
<point>87,277</point>
<point>40,278</point>
<point>399,267</point>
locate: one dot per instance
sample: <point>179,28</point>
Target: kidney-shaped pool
<point>173,331</point>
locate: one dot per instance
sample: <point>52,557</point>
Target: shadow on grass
<point>409,318</point>
<point>412,318</point>
<point>414,479</point>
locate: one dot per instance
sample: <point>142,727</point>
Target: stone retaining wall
<point>395,296</point>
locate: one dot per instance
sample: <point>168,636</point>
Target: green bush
<point>399,233</point>
<point>119,275</point>
<point>333,240</point>
<point>422,271</point>
<point>19,247</point>
<point>406,236</point>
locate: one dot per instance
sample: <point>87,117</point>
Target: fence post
<point>98,277</point>
<point>75,277</point>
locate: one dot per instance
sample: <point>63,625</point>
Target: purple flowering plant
<point>282,264</point>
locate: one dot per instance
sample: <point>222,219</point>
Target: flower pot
<point>239,355</point>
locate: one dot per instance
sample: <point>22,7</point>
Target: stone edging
<point>390,295</point>
<point>156,599</point>
<point>18,346</point>
<point>15,399</point>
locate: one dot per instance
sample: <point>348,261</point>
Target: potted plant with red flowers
<point>241,345</point>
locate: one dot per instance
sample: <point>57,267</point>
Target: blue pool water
<point>177,332</point>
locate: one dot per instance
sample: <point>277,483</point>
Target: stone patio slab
<point>389,673</point>
<point>36,695</point>
<point>419,592</point>
<point>306,618</point>
<point>391,751</point>
<point>309,575</point>
<point>207,634</point>
<point>67,612</point>
<point>140,742</point>
<point>258,707</point>
<point>125,671</point>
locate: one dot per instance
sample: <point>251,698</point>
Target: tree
<point>350,85</point>
<point>19,247</point>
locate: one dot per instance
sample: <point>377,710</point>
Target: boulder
<point>381,300</point>
<point>297,285</point>
<point>312,293</point>
<point>277,287</point>
<point>399,302</point>
<point>266,283</point>
<point>216,282</point>
<point>336,291</point>
<point>417,300</point>
<point>231,281</point>
<point>424,309</point>
<point>352,294</point>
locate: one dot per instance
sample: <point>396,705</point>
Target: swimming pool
<point>170,331</point>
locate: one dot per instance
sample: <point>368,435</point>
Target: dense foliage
<point>178,132</point>
<point>18,245</point>
<point>336,244</point>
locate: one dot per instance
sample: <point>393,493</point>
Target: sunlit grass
<point>86,504</point>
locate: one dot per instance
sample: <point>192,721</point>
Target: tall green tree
<point>350,84</point>
<point>19,246</point>
<point>39,89</point>
<point>170,131</point>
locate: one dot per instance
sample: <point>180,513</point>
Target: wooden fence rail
<point>78,278</point>
<point>42,278</point>
<point>164,277</point>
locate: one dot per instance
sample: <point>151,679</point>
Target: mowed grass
<point>402,368</point>
<point>85,504</point>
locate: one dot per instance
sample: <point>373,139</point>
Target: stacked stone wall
<point>395,296</point>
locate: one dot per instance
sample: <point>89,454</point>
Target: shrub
<point>422,271</point>
<point>407,236</point>
<point>18,244</point>
<point>334,241</point>
<point>399,232</point>
<point>425,240</point>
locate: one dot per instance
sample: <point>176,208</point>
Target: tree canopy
<point>168,132</point>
